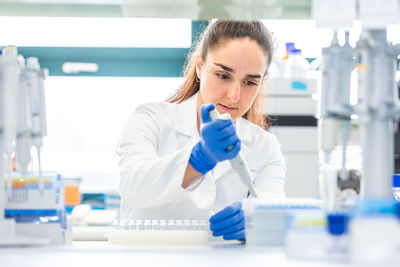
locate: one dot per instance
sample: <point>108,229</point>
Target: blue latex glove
<point>216,137</point>
<point>229,223</point>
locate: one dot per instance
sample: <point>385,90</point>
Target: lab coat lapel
<point>220,169</point>
<point>185,118</point>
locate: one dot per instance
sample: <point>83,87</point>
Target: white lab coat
<point>154,151</point>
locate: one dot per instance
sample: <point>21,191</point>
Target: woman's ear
<point>199,65</point>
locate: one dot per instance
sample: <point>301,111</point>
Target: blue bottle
<point>396,186</point>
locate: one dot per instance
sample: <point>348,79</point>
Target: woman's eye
<point>222,76</point>
<point>250,83</point>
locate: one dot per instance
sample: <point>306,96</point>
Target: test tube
<point>123,225</point>
<point>187,225</point>
<point>163,224</point>
<point>139,224</point>
<point>147,224</point>
<point>171,225</point>
<point>132,225</point>
<point>179,224</point>
<point>202,225</point>
<point>155,225</point>
<point>115,224</point>
<point>195,224</point>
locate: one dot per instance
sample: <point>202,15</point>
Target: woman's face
<point>231,76</point>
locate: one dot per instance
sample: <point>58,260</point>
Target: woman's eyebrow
<point>253,76</point>
<point>224,67</point>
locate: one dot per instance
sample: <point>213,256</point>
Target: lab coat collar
<point>243,131</point>
<point>185,120</point>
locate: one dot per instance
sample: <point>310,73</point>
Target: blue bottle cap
<point>337,223</point>
<point>295,51</point>
<point>289,45</point>
<point>396,180</point>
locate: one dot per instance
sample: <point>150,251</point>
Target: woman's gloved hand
<point>229,223</point>
<point>216,137</point>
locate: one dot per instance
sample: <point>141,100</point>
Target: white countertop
<point>98,254</point>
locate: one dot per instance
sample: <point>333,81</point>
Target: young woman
<point>174,158</point>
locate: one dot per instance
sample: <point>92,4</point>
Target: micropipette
<point>238,162</point>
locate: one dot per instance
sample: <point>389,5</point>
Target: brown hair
<point>210,39</point>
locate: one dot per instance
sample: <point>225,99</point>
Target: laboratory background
<point>72,72</point>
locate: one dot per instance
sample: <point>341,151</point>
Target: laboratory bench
<point>100,253</point>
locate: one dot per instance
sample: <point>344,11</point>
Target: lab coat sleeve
<point>148,180</point>
<point>270,181</point>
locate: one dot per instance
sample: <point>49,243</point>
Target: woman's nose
<point>234,92</point>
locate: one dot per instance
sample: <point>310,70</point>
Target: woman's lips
<point>226,108</point>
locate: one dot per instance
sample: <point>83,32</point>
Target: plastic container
<point>299,66</point>
<point>374,234</point>
<point>306,227</point>
<point>281,67</point>
<point>72,194</point>
<point>396,186</point>
<point>289,47</point>
<point>325,236</point>
<point>266,219</point>
<point>337,226</point>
